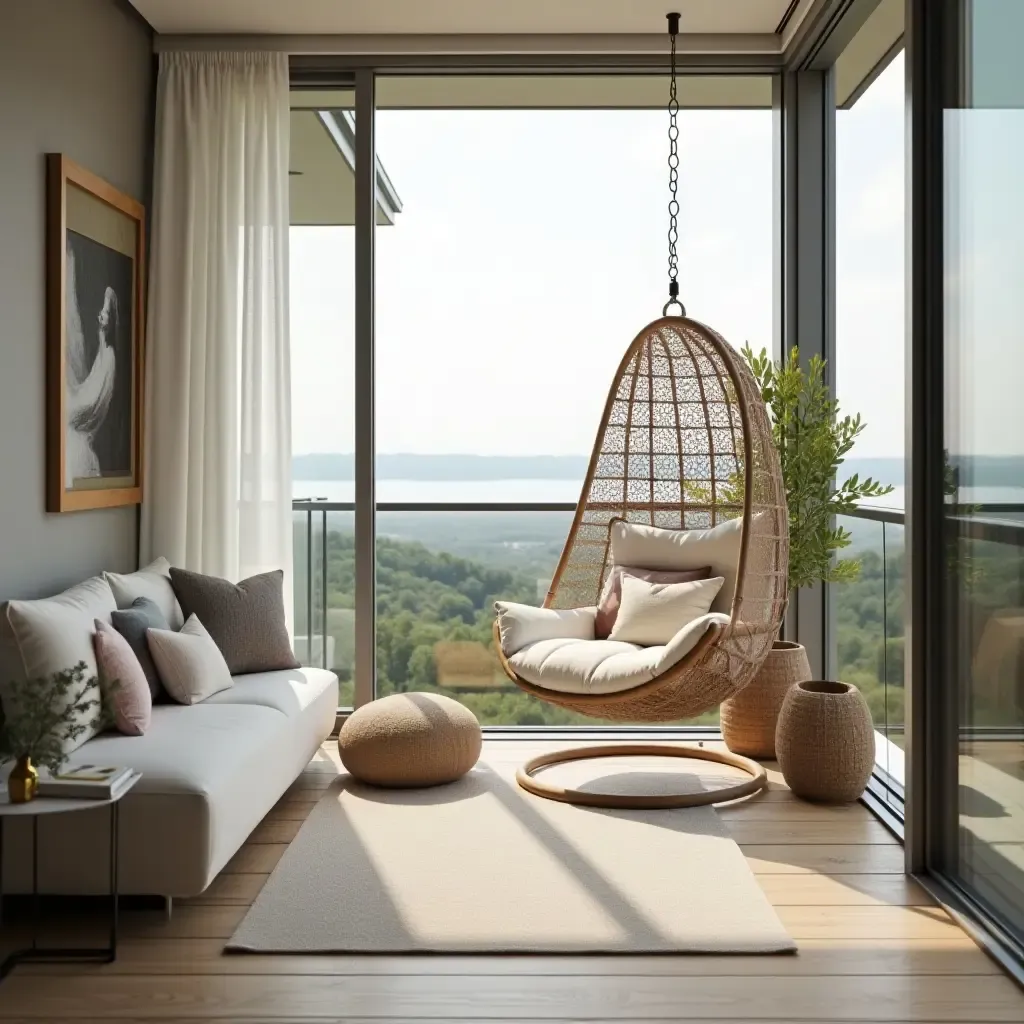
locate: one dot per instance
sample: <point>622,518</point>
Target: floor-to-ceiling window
<point>530,250</point>
<point>984,442</point>
<point>868,89</point>
<point>321,252</point>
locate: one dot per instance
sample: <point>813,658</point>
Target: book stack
<point>87,781</point>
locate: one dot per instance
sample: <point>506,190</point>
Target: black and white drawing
<point>98,371</point>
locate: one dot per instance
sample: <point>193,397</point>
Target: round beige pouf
<point>410,739</point>
<point>749,719</point>
<point>825,741</point>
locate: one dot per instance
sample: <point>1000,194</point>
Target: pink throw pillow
<point>611,596</point>
<point>130,701</point>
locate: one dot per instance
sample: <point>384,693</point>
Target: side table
<point>35,809</point>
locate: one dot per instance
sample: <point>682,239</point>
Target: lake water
<point>457,491</point>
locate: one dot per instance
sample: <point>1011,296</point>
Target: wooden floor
<point>872,948</point>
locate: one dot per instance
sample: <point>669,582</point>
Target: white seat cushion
<point>289,691</point>
<point>604,666</point>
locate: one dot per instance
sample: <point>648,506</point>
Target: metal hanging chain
<point>673,172</point>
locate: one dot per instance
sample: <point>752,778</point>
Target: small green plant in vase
<point>42,718</point>
<point>812,440</point>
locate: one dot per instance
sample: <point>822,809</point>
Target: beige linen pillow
<point>190,664</point>
<point>611,596</point>
<point>651,547</point>
<point>651,614</point>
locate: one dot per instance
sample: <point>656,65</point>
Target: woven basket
<point>749,718</point>
<point>825,741</point>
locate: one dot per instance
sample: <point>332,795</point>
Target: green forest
<point>438,578</point>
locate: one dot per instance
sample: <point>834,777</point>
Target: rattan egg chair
<point>684,443</point>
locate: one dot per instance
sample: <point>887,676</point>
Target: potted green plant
<point>41,717</point>
<point>812,441</point>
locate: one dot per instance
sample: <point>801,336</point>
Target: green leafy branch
<point>813,441</point>
<point>43,716</point>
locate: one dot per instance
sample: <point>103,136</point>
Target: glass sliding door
<point>321,254</point>
<point>984,441</point>
<point>868,90</point>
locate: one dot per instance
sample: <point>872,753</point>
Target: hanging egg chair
<point>684,475</point>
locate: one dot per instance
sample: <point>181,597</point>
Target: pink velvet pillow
<point>130,701</point>
<point>611,596</point>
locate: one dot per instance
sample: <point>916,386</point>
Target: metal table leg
<point>53,955</point>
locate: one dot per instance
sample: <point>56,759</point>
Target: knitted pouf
<point>410,739</point>
<point>825,741</point>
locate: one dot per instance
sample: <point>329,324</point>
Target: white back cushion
<point>653,613</point>
<point>154,582</point>
<point>651,547</point>
<point>55,633</point>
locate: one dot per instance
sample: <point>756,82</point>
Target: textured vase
<point>749,719</point>
<point>23,782</point>
<point>825,741</point>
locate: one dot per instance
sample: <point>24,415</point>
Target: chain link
<point>673,178</point>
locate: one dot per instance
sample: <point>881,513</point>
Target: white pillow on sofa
<point>651,614</point>
<point>154,582</point>
<point>190,663</point>
<point>53,634</point>
<point>652,547</point>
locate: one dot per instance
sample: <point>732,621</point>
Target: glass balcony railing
<point>868,633</point>
<point>439,570</point>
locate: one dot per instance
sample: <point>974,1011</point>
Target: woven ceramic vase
<point>749,719</point>
<point>825,741</point>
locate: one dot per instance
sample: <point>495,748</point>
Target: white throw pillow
<point>154,582</point>
<point>653,613</point>
<point>522,624</point>
<point>190,664</point>
<point>651,547</point>
<point>55,633</point>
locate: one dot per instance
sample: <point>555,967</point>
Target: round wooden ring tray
<point>757,781</point>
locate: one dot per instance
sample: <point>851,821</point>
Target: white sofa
<point>210,773</point>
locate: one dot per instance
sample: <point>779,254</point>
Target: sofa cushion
<point>132,623</point>
<point>290,691</point>
<point>246,620</point>
<point>154,582</point>
<point>54,634</point>
<point>123,683</point>
<point>191,665</point>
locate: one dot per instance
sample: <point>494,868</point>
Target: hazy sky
<point>532,248</point>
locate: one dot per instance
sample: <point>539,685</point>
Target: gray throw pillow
<point>132,624</point>
<point>246,620</point>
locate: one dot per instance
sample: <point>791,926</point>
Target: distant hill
<point>978,471</point>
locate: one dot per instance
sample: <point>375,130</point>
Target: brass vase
<point>23,782</point>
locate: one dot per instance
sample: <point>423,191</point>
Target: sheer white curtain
<point>218,443</point>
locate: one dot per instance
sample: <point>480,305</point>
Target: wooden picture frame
<point>95,260</point>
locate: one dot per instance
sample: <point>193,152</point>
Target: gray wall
<point>75,77</point>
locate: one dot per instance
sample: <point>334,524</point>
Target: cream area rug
<point>480,866</point>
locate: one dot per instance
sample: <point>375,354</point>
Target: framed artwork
<point>94,325</point>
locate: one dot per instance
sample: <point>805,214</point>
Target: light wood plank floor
<point>872,948</point>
